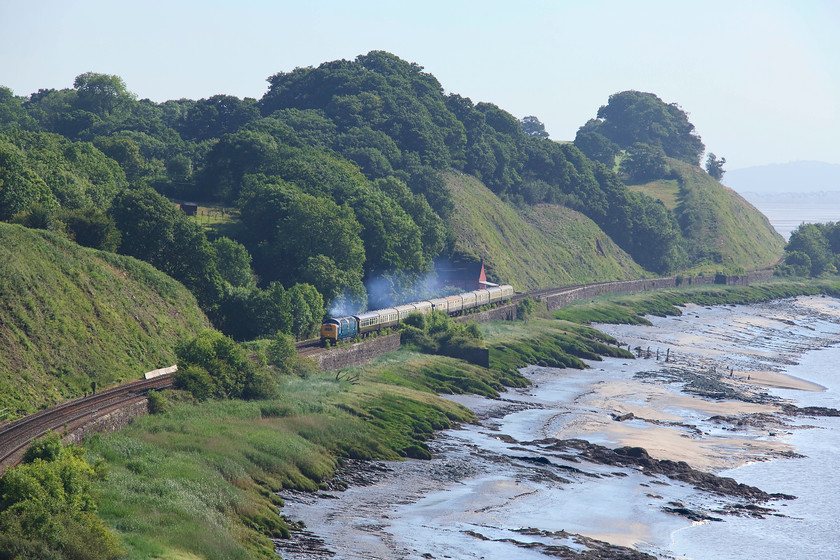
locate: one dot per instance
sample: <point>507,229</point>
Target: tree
<point>632,117</point>
<point>20,187</point>
<point>101,94</point>
<point>155,231</point>
<point>532,126</point>
<point>596,146</point>
<point>714,166</point>
<point>90,227</point>
<point>307,309</point>
<point>811,240</point>
<point>644,163</point>
<point>47,507</point>
<point>216,366</point>
<point>233,262</point>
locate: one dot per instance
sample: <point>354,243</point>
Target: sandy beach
<point>553,469</point>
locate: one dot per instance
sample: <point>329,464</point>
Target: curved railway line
<point>71,415</point>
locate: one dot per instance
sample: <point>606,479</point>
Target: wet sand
<point>501,489</point>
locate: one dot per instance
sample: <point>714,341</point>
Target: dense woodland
<point>337,176</point>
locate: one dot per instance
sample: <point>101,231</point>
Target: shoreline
<point>402,508</point>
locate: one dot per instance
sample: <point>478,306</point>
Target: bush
<point>196,380</point>
<point>47,510</point>
<point>526,308</point>
<point>157,403</point>
<point>47,448</point>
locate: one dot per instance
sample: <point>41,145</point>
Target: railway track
<point>70,415</point>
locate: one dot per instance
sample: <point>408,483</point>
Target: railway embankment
<point>363,352</point>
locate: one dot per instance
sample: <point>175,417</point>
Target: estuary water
<point>811,528</point>
<point>512,486</point>
<point>787,211</point>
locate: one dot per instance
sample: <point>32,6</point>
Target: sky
<point>760,80</point>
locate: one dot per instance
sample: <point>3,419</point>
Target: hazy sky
<point>760,80</point>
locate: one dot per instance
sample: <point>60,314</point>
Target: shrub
<point>196,380</point>
<point>47,448</point>
<point>157,403</point>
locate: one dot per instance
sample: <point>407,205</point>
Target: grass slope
<point>723,231</point>
<point>534,248</point>
<point>71,315</point>
<point>666,190</point>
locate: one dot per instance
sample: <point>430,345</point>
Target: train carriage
<point>468,300</point>
<point>455,304</point>
<point>507,291</point>
<point>368,322</point>
<point>495,294</point>
<point>388,318</point>
<point>439,304</point>
<point>424,307</point>
<point>404,310</point>
<point>482,297</point>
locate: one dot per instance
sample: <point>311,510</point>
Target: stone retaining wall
<point>111,422</point>
<point>566,296</point>
<point>359,353</point>
<point>503,313</point>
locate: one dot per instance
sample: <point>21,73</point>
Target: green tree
<point>216,366</point>
<point>47,507</point>
<point>90,227</point>
<point>233,262</point>
<point>20,187</point>
<point>811,240</point>
<point>797,263</point>
<point>714,166</point>
<point>644,163</point>
<point>596,146</point>
<point>632,117</point>
<point>101,94</point>
<point>307,309</point>
<point>125,152</point>
<point>155,231</point>
<point>532,126</point>
<point>287,228</point>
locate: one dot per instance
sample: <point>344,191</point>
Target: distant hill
<point>794,177</point>
<point>536,246</point>
<point>71,315</point>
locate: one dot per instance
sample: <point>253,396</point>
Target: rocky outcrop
<point>576,450</point>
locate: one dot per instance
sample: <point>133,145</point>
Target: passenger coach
<point>340,328</point>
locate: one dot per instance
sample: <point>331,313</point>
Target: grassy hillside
<point>71,315</point>
<point>538,247</point>
<point>722,228</point>
<point>666,190</point>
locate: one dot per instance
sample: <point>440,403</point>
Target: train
<point>341,328</point>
